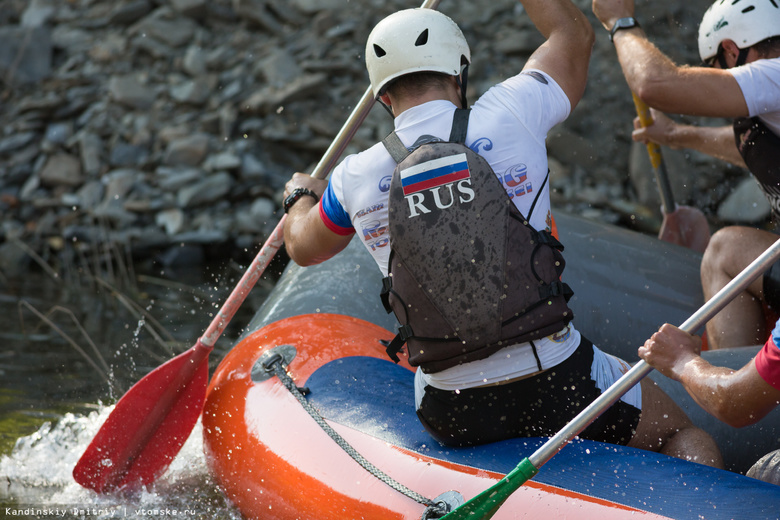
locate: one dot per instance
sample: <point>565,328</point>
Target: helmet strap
<point>742,58</point>
<point>389,110</point>
<point>462,81</point>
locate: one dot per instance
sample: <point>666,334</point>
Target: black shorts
<point>772,286</point>
<point>538,406</point>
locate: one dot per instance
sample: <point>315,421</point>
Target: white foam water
<point>36,480</point>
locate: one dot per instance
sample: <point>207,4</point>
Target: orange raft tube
<point>274,461</point>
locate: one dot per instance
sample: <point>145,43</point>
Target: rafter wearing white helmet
<point>745,22</point>
<point>416,40</point>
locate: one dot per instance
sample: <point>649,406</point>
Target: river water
<point>71,346</point>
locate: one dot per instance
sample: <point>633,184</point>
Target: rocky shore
<point>166,129</point>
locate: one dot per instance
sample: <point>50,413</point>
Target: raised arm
<point>662,84</point>
<point>565,54</point>
<point>736,397</point>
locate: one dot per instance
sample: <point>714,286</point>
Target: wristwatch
<point>623,23</point>
<point>295,195</point>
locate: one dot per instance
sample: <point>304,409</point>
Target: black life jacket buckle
<point>396,345</point>
<point>547,238</point>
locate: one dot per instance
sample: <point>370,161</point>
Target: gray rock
<point>210,189</point>
<point>128,12</point>
<point>222,161</point>
<point>680,174</point>
<point>174,33</point>
<point>173,179</point>
<point>172,220</point>
<point>14,260</point>
<point>194,92</point>
<point>570,148</point>
<point>187,151</point>
<point>130,91</point>
<point>747,204</point>
<point>16,141</point>
<point>310,7</point>
<point>91,150</point>
<point>90,195</point>
<point>62,169</point>
<point>191,8</point>
<point>25,54</point>
<point>38,13</point>
<point>194,62</point>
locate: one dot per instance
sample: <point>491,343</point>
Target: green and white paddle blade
<point>485,505</point>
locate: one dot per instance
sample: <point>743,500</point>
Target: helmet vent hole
<point>379,51</point>
<point>422,39</point>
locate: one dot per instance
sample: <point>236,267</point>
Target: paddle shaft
<point>275,241</point>
<point>722,298</point>
<point>656,159</point>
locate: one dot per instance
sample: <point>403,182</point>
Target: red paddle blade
<point>148,426</point>
<point>687,227</point>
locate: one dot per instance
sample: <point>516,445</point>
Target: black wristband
<point>296,194</point>
<point>623,23</point>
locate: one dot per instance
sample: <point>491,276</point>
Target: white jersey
<point>760,84</point>
<point>508,126</point>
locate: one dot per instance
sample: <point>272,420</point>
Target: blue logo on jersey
<point>483,142</point>
<point>384,183</point>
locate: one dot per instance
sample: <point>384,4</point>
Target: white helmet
<point>745,23</point>
<point>414,40</point>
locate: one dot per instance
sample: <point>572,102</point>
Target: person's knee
<point>716,256</point>
<point>661,418</point>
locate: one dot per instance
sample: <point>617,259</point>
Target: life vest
<point>468,274</point>
<point>760,148</point>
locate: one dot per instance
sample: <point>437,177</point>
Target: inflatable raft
<point>306,418</point>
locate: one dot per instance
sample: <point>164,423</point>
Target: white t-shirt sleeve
<point>760,84</point>
<point>535,99</point>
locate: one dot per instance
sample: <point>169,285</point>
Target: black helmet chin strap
<point>742,58</point>
<point>463,80</point>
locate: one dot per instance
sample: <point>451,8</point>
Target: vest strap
<point>460,125</point>
<point>387,286</point>
<point>395,147</point>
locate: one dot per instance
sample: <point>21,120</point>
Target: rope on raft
<point>435,509</point>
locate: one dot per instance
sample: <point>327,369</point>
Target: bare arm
<point>715,141</point>
<point>306,237</point>
<point>662,84</point>
<point>738,398</point>
<point>565,54</point>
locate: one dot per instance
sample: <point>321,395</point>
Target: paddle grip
<point>656,159</point>
<point>646,119</point>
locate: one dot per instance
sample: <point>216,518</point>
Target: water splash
<point>36,477</point>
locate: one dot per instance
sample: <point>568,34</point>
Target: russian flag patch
<point>435,173</point>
